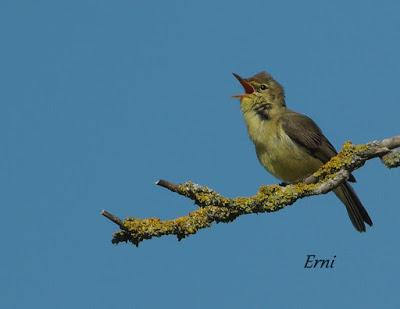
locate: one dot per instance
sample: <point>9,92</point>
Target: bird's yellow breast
<point>277,152</point>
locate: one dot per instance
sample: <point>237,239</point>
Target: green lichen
<point>202,195</point>
<point>350,157</point>
<point>392,159</point>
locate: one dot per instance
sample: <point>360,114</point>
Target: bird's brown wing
<point>305,132</point>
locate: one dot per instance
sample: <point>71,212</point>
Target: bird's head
<point>263,94</point>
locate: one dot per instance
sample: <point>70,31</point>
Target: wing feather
<point>304,131</point>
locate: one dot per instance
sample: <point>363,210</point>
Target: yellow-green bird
<point>290,145</point>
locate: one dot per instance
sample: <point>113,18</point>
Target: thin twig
<point>112,218</point>
<point>168,185</point>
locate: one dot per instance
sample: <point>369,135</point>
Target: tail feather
<point>355,209</point>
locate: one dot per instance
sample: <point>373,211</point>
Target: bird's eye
<point>263,87</point>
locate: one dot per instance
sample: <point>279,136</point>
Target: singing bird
<point>290,145</point>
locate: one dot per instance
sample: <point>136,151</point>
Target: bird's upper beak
<point>248,88</point>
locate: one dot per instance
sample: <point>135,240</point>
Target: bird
<point>290,145</point>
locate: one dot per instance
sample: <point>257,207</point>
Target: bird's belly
<point>285,160</point>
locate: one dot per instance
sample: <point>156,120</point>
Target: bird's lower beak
<point>248,88</point>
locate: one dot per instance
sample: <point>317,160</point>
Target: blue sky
<point>99,99</point>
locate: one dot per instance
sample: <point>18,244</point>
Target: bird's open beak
<point>248,88</point>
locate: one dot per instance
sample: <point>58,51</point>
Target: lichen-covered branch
<point>215,208</point>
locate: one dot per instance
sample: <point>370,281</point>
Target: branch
<point>215,208</point>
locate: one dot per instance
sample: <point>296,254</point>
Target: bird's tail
<point>357,213</point>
